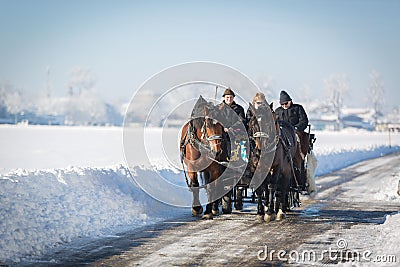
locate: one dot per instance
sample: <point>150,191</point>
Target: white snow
<point>58,184</point>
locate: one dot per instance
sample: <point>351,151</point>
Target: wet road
<point>238,239</point>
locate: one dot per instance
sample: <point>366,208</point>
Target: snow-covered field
<point>58,184</point>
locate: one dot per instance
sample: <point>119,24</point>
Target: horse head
<point>260,126</point>
<point>213,128</point>
<point>207,114</point>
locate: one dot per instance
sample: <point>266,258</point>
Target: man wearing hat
<point>233,118</point>
<point>229,102</point>
<point>234,122</point>
<point>291,112</point>
<point>295,115</point>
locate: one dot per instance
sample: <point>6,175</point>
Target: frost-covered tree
<point>3,93</point>
<point>85,109</point>
<point>81,79</point>
<point>85,106</point>
<point>376,94</point>
<point>11,100</point>
<point>337,86</point>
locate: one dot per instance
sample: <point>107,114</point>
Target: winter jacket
<point>295,114</point>
<point>229,119</point>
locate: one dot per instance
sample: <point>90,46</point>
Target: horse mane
<point>287,132</point>
<point>197,115</point>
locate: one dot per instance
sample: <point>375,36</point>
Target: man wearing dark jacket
<point>232,118</point>
<point>234,123</point>
<point>291,112</point>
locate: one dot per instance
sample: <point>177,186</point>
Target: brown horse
<point>279,173</point>
<point>201,151</point>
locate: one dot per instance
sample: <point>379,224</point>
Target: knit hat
<point>228,91</point>
<point>284,97</point>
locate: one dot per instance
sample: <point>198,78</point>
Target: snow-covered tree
<point>86,108</point>
<point>3,93</point>
<point>376,94</point>
<point>11,99</point>
<point>81,79</point>
<point>337,86</point>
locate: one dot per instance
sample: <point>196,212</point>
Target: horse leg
<point>239,198</point>
<point>211,174</point>
<point>280,205</point>
<point>215,207</point>
<point>227,203</point>
<point>266,202</point>
<point>282,195</point>
<point>197,209</point>
<point>260,206</point>
<point>271,215</point>
<point>212,198</point>
<point>208,214</point>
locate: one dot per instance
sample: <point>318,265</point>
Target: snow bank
<point>388,239</point>
<point>339,158</point>
<point>41,209</point>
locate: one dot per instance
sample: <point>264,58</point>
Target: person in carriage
<point>295,114</point>
<point>234,122</point>
<point>258,101</point>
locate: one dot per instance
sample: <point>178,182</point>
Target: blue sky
<point>294,43</point>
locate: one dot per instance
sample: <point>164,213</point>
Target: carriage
<point>270,170</point>
<point>301,183</point>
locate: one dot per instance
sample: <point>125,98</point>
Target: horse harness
<point>261,134</point>
<point>192,139</point>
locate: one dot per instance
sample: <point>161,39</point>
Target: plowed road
<point>239,240</point>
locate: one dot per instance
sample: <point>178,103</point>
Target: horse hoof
<point>197,211</point>
<point>238,206</point>
<point>208,216</point>
<point>260,218</point>
<point>226,211</point>
<point>269,217</point>
<point>281,215</point>
<point>215,212</point>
